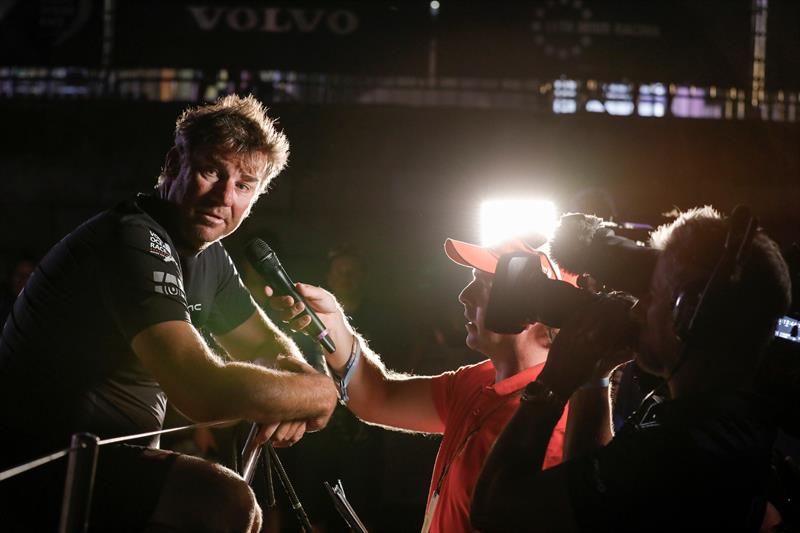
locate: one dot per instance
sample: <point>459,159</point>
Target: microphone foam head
<point>257,250</point>
<point>571,240</point>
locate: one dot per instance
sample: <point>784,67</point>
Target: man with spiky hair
<point>696,462</point>
<point>109,327</point>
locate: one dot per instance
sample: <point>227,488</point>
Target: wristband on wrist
<point>348,371</point>
<point>600,383</point>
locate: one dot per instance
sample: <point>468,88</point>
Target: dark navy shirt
<point>66,363</point>
<point>690,464</point>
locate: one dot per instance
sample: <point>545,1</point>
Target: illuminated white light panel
<point>501,220</point>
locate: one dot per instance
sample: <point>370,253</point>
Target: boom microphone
<point>267,264</point>
<point>585,244</point>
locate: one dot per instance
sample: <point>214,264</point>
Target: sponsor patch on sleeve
<point>168,284</point>
<point>160,249</point>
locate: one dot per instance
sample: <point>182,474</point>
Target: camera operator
<point>698,461</point>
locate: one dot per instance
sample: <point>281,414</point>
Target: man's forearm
<point>588,422</point>
<point>258,338</point>
<point>276,395</point>
<point>278,344</point>
<point>246,391</point>
<point>512,466</point>
<point>379,396</point>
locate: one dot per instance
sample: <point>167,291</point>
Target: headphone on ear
<point>696,301</point>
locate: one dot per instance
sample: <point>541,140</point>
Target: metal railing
<point>82,460</point>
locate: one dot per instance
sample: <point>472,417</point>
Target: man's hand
<point>204,440</point>
<point>298,366</point>
<point>322,302</point>
<point>329,312</point>
<point>282,434</point>
<point>594,340</point>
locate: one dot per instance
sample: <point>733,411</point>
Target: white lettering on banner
<point>204,22</point>
<point>566,29</point>
<point>271,24</point>
<point>274,19</point>
<point>306,25</point>
<point>342,22</point>
<point>241,19</point>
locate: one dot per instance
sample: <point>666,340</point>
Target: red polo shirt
<point>475,410</point>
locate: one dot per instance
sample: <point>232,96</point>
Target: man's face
<point>214,192</point>
<point>658,345</point>
<point>475,298</point>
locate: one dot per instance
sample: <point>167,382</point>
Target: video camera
<point>583,244</point>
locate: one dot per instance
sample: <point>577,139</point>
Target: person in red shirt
<point>470,405</point>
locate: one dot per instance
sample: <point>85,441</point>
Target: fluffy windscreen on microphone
<point>572,240</point>
<point>585,244</point>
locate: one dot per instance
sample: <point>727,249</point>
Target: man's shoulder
<point>475,369</point>
<point>474,375</point>
<point>136,227</point>
<point>140,211</point>
<point>216,253</point>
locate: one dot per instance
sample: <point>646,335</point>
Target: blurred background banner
<point>682,41</point>
<point>340,37</point>
<point>644,41</point>
<point>783,46</point>
<point>51,32</point>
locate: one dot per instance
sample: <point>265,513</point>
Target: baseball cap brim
<point>485,259</point>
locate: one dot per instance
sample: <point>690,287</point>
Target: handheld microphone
<point>266,263</point>
<point>585,244</point>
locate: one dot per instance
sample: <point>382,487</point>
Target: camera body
<point>522,294</point>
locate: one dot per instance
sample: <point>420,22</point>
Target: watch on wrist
<point>538,392</point>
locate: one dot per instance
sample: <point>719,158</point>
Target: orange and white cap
<point>485,258</point>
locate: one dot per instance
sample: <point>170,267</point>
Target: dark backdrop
<point>398,180</point>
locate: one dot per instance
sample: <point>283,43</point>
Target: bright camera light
<point>435,5</point>
<point>505,219</point>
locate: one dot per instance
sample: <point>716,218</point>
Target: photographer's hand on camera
<point>594,340</point>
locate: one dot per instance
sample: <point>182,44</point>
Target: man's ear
<point>172,163</point>
<point>544,335</point>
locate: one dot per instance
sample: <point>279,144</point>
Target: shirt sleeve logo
<point>168,284</point>
<point>160,249</point>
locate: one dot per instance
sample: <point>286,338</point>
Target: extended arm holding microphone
<point>376,395</point>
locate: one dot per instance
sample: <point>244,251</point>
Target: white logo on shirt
<point>168,284</point>
<point>159,248</point>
